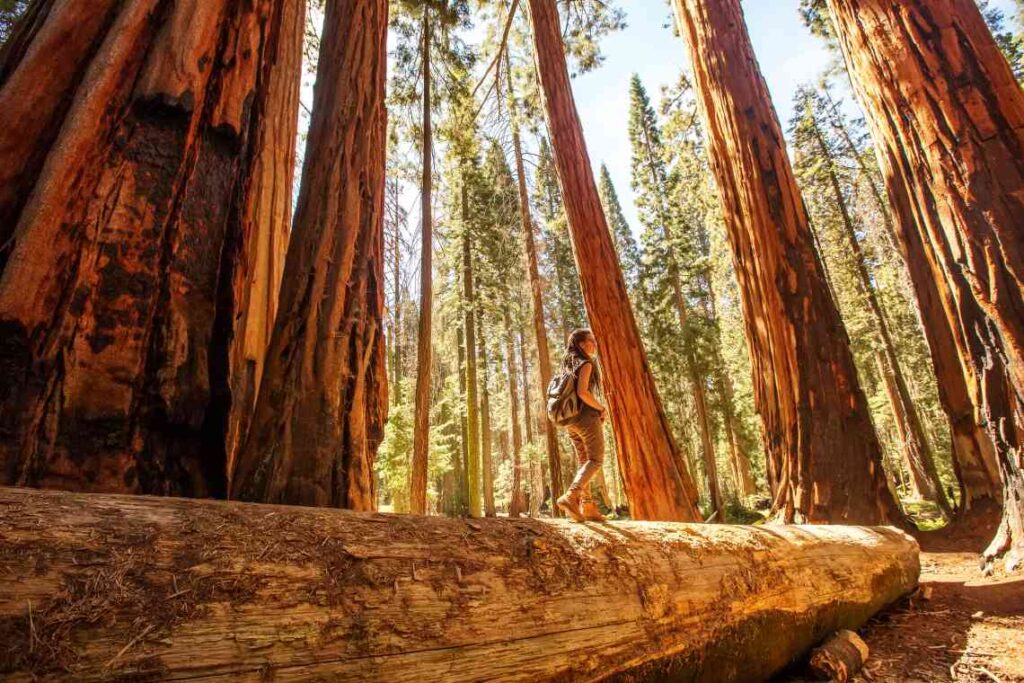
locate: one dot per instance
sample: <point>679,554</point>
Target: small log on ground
<point>840,657</point>
<point>96,587</point>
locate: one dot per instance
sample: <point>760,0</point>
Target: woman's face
<point>589,346</point>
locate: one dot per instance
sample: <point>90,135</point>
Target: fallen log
<point>839,658</point>
<point>97,587</point>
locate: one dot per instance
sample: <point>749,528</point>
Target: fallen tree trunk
<point>96,587</point>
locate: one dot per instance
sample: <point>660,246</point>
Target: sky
<point>788,54</point>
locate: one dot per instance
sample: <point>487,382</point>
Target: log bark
<point>323,399</point>
<point>656,486</point>
<point>824,454</point>
<point>424,351</point>
<point>223,590</point>
<point>947,117</point>
<point>138,132</point>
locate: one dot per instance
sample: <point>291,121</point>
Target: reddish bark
<point>323,399</point>
<point>136,127</point>
<point>823,452</point>
<point>948,118</point>
<point>657,486</point>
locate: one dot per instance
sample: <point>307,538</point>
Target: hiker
<point>573,405</point>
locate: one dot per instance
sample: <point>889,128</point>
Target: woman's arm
<point>583,388</point>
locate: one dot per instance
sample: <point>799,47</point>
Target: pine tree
<point>625,243</point>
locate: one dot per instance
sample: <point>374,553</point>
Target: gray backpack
<point>564,403</point>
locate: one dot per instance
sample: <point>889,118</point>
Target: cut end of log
<point>840,657</point>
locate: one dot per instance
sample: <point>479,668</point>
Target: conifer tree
<point>625,243</point>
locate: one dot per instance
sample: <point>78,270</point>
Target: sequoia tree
<point>948,119</point>
<point>658,485</point>
<point>824,458</point>
<point>138,147</point>
<point>323,400</point>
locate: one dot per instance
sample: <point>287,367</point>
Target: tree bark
<point>138,133</point>
<point>974,455</point>
<point>424,355</point>
<point>948,119</point>
<point>323,400</point>
<point>517,503</point>
<point>472,403</point>
<point>527,420</point>
<point>824,451</point>
<point>203,589</point>
<point>486,444</point>
<point>656,486</point>
<point>540,329</point>
<point>267,220</point>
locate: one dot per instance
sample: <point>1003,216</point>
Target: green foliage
<point>10,12</point>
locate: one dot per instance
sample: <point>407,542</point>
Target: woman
<point>585,429</point>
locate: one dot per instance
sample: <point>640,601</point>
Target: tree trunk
<point>463,468</point>
<point>527,420</point>
<point>486,460</point>
<point>974,455</point>
<point>424,356</point>
<point>204,589</point>
<point>540,329</point>
<point>137,135</point>
<point>954,165</point>
<point>818,431</point>
<point>323,399</point>
<point>517,503</point>
<point>656,486</point>
<point>472,403</point>
<point>917,451</point>
<point>267,219</point>
<point>396,332</point>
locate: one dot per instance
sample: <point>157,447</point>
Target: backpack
<point>564,403</point>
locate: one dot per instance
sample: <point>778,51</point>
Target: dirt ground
<point>961,626</point>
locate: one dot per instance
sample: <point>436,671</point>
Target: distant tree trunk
<point>657,487</point>
<point>134,152</point>
<point>472,402</point>
<point>819,436</point>
<point>527,420</point>
<point>485,428</point>
<point>267,219</point>
<point>396,274</point>
<point>463,479</point>
<point>948,119</point>
<point>424,357</point>
<point>323,400</point>
<point>917,451</point>
<point>540,329</point>
<point>974,456</point>
<point>516,504</point>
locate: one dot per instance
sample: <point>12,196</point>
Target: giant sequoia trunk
<point>948,119</point>
<point>424,351</point>
<point>517,502</point>
<point>323,400</point>
<point>824,457</point>
<point>177,589</point>
<point>473,478</point>
<point>657,486</point>
<point>973,454</point>
<point>266,221</point>
<point>137,153</point>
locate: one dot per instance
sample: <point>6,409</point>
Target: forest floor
<point>960,626</point>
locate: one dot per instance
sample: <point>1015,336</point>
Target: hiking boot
<point>570,504</point>
<point>591,513</point>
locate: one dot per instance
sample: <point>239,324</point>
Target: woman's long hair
<point>576,356</point>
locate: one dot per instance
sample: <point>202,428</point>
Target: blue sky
<point>788,54</point>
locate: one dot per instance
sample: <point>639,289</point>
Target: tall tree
<point>132,137</point>
<point>323,400</point>
<point>625,244</point>
<point>428,54</point>
<point>825,460</point>
<point>973,451</point>
<point>657,486</point>
<point>954,169</point>
<point>818,163</point>
<point>653,188</point>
